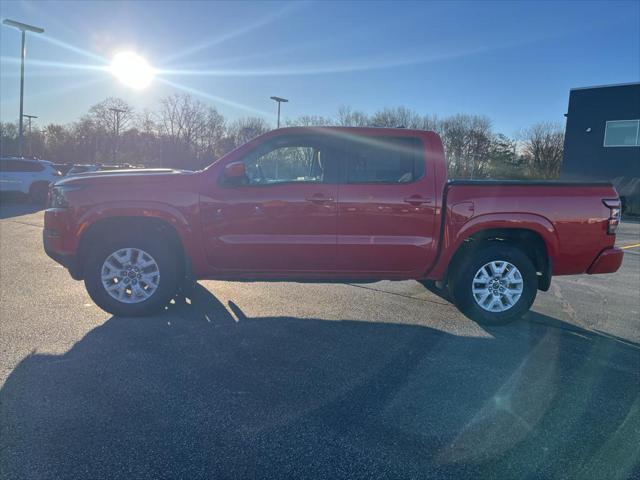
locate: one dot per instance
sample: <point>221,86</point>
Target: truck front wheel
<point>131,274</point>
<point>494,285</point>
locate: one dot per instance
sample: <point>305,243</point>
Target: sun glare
<point>132,70</point>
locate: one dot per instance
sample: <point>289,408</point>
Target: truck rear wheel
<point>495,285</point>
<point>131,275</point>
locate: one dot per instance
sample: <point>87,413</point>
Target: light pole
<point>116,126</point>
<point>30,137</point>
<point>24,28</point>
<point>279,100</point>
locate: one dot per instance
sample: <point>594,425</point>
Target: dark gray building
<point>602,138</point>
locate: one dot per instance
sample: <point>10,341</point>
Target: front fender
<point>150,209</point>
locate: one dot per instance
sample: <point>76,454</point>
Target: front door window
<point>286,164</point>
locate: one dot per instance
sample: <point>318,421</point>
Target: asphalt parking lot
<point>286,380</point>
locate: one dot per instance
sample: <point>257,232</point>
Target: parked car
<point>30,177</point>
<point>329,204</point>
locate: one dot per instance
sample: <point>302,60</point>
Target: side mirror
<point>235,173</point>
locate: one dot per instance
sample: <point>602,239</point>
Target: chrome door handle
<point>416,200</point>
<point>319,199</point>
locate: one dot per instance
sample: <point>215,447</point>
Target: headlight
<point>58,195</point>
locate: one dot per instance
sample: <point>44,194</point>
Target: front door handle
<point>319,198</point>
<point>417,200</point>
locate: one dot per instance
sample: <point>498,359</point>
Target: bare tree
<point>388,117</point>
<point>105,117</point>
<point>91,143</point>
<point>467,140</point>
<point>181,118</point>
<point>543,148</point>
<point>147,137</point>
<point>245,129</point>
<point>8,138</point>
<point>182,122</point>
<point>347,117</point>
<point>504,161</point>
<point>213,134</point>
<point>146,123</point>
<point>59,143</point>
<point>186,133</point>
<point>396,117</point>
<point>309,121</point>
<point>112,116</point>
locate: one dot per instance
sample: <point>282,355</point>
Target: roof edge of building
<point>606,86</point>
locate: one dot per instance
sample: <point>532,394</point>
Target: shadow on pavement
<point>13,205</point>
<point>203,391</point>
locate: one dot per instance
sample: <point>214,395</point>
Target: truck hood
<point>123,176</point>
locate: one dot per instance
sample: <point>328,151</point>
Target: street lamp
<point>23,27</point>
<point>30,137</point>
<point>279,100</point>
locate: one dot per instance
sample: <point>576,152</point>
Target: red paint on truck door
<point>386,207</point>
<point>282,217</point>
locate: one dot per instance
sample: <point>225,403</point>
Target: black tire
<point>461,283</point>
<point>156,246</point>
<point>38,193</point>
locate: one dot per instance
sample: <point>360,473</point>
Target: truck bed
<point>571,216</point>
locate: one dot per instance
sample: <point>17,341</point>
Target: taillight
<point>614,215</point>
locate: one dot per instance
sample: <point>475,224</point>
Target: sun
<point>132,70</point>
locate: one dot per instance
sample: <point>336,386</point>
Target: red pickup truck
<point>328,204</point>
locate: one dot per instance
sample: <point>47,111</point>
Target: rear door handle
<point>319,198</point>
<point>416,200</point>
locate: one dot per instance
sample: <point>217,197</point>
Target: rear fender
<point>455,234</point>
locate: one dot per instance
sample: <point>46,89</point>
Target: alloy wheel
<point>497,286</point>
<point>130,275</point>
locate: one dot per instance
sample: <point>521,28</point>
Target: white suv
<point>30,177</point>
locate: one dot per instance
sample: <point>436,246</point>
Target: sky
<point>512,61</point>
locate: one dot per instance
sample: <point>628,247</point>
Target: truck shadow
<point>202,391</point>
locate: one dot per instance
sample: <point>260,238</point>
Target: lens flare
<point>132,70</point>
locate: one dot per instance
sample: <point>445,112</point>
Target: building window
<point>622,133</point>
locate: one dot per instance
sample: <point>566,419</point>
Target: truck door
<point>282,218</point>
<point>386,207</point>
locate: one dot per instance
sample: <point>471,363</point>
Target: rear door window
<point>20,166</point>
<point>10,165</point>
<point>383,160</point>
<point>31,167</point>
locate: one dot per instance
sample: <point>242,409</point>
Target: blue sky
<point>512,61</point>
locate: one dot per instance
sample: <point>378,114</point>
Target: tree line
<point>185,133</point>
